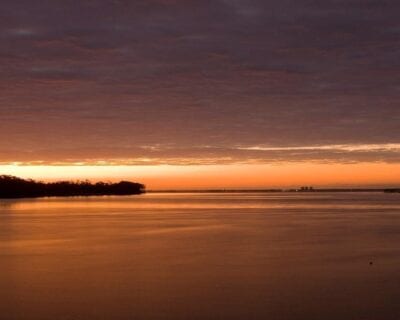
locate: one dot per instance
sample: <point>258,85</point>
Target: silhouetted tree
<point>13,187</point>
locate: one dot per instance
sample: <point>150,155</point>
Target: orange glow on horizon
<point>223,176</point>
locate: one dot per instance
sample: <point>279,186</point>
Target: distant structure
<point>306,189</point>
<point>13,187</point>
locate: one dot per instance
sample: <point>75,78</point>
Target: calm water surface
<point>201,256</point>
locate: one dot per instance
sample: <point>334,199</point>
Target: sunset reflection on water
<point>201,256</point>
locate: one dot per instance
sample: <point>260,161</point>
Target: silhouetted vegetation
<point>13,187</point>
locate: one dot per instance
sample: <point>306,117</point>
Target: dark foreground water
<point>201,256</point>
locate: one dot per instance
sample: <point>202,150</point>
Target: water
<point>201,256</point>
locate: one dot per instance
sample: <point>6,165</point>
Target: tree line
<point>14,187</point>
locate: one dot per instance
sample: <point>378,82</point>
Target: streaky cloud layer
<point>207,155</point>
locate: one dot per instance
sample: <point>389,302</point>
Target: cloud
<point>395,147</point>
<point>206,154</point>
<point>118,75</point>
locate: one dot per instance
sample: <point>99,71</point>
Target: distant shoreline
<point>16,188</point>
<point>380,190</point>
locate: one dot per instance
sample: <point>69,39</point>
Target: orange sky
<point>224,176</point>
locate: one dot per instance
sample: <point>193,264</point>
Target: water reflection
<point>201,256</point>
<point>255,200</point>
<point>8,203</point>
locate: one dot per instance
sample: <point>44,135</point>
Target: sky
<point>188,93</point>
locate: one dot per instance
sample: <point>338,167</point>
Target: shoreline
<point>16,188</point>
<point>352,190</point>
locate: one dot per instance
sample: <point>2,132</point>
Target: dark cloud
<point>101,79</point>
